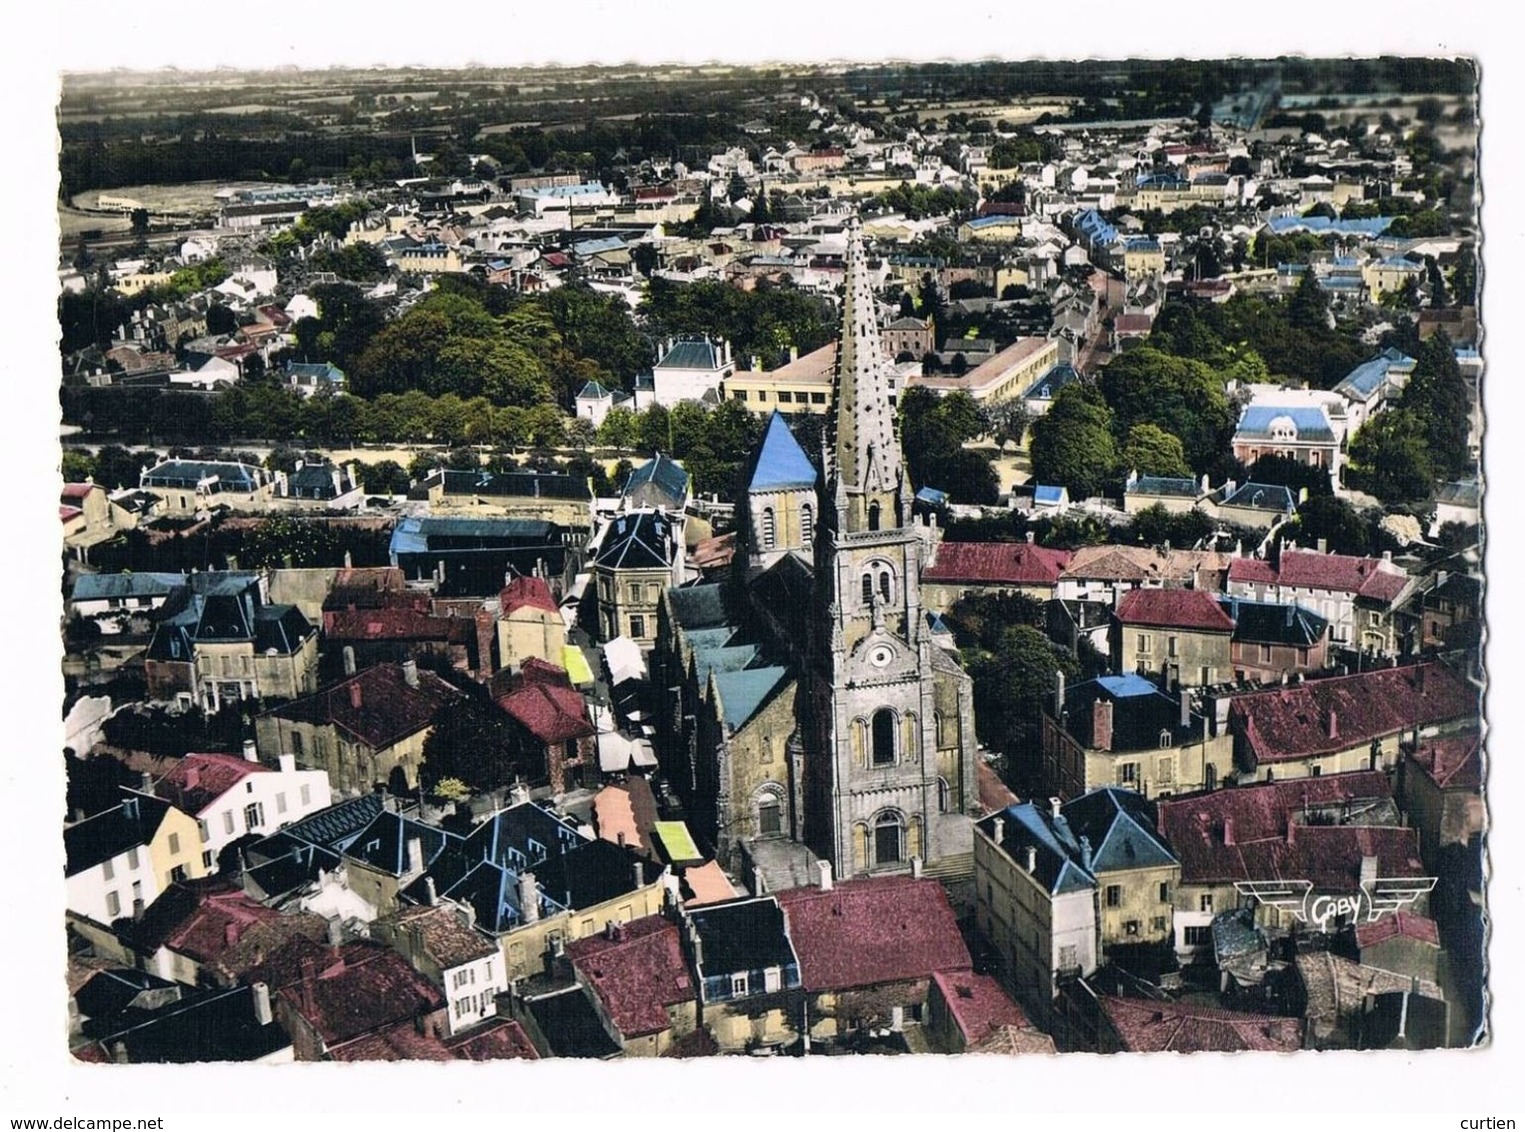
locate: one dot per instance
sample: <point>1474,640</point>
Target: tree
<point>618,429</point>
<point>1437,394</point>
<point>1180,396</point>
<point>473,740</point>
<point>1013,679</point>
<point>1335,521</point>
<point>384,477</point>
<point>139,222</point>
<point>1072,443</point>
<point>1008,421</point>
<point>1151,451</point>
<point>221,320</point>
<point>288,541</point>
<point>1390,458</point>
<point>1308,308</point>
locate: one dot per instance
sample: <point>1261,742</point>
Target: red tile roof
<point>1295,722</point>
<point>977,1004</point>
<point>376,706</point>
<point>994,794</point>
<point>1015,564</point>
<point>638,976</point>
<point>1453,762</point>
<point>1257,820</point>
<point>493,1041</point>
<point>862,933</point>
<point>1174,609</point>
<point>522,592</point>
<point>67,514</point>
<point>229,932</point>
<point>1146,1026</point>
<point>79,490</point>
<point>551,712</point>
<point>1338,573</point>
<point>199,780</point>
<point>396,625</point>
<point>357,990</point>
<point>1400,923</point>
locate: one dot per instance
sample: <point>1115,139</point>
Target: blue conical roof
<point>781,462</point>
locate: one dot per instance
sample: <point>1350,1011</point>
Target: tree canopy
<point>1072,443</point>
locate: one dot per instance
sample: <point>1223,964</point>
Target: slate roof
<point>780,464</point>
<point>444,935</point>
<point>1199,828</point>
<point>1164,486</point>
<point>1150,1026</point>
<point>1174,609</point>
<point>571,1025</point>
<point>1293,722</point>
<point>643,540</point>
<point>1017,564</point>
<point>108,993</point>
<point>741,936</point>
<point>743,693</point>
<point>1271,497</point>
<point>203,1026</point>
<point>383,844</point>
<point>101,587</point>
<point>397,625</point>
<point>1264,622</point>
<point>434,535</point>
<point>1310,421</point>
<point>388,709</point>
<point>698,607</point>
<point>197,781</point>
<point>1140,711</point>
<point>663,476</point>
<point>1120,827</point>
<point>877,930</point>
<point>519,485</point>
<point>1363,381</point>
<point>187,474</point>
<point>133,821</point>
<point>690,354</point>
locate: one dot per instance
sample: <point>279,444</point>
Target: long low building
<point>1006,375</point>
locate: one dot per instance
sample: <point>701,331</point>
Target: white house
<point>230,796</point>
<point>442,945</point>
<point>118,861</point>
<point>689,369</point>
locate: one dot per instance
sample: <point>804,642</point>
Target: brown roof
<point>1326,716</point>
<point>1452,762</point>
<point>494,1041</point>
<point>199,780</point>
<point>1146,1026</point>
<point>357,990</point>
<point>1011,1041</point>
<point>1174,609</point>
<point>1017,564</point>
<point>861,933</point>
<point>443,934</point>
<point>377,706</point>
<point>1399,923</point>
<point>1146,564</point>
<point>550,712</point>
<point>396,624</point>
<point>637,975</point>
<point>994,794</point>
<point>1339,573</point>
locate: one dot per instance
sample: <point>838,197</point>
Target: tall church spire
<point>867,468</point>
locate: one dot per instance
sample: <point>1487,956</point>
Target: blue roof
<point>1120,825</point>
<point>664,474</point>
<point>781,462</point>
<point>742,693</point>
<point>1130,684</point>
<point>1143,244</point>
<point>592,389</point>
<point>597,247</point>
<point>1095,228</point>
<point>991,221</point>
<point>1053,379</point>
<point>727,658</point>
<point>1262,497</point>
<point>1323,226</point>
<point>932,497</point>
<point>1045,493</point>
<point>1310,422</point>
<point>1367,377</point>
<point>689,354</point>
<point>99,587</point>
<point>1164,180</point>
<point>1057,855</point>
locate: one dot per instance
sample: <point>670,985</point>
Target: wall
<point>1198,659</point>
<point>526,949</point>
<point>531,632</point>
<point>1139,903</point>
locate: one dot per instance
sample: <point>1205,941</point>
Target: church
<point>805,712</point>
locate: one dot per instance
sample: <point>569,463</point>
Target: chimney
<point>1058,695</point>
<point>916,867</point>
<point>1368,872</point>
<point>230,934</point>
<point>410,673</point>
<point>349,660</point>
<point>638,873</point>
<point>1054,809</point>
<point>1032,859</point>
<point>137,909</point>
<point>1101,725</point>
<point>1323,544</point>
<point>1332,723</point>
<point>250,754</point>
<point>309,976</point>
<point>824,869</point>
<point>529,897</point>
<point>415,856</point>
<point>1228,831</point>
<point>146,782</point>
<point>335,932</point>
<point>998,831</point>
<point>355,698</point>
<point>262,1012</point>
<point>1185,707</point>
<point>518,793</point>
<point>288,764</point>
<point>119,1053</point>
<point>431,896</point>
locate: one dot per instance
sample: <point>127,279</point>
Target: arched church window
<point>868,589</point>
<point>873,516</point>
<point>889,839</point>
<point>884,584</point>
<point>807,524</point>
<point>769,529</point>
<point>884,737</point>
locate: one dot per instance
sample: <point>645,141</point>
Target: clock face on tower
<point>881,655</point>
